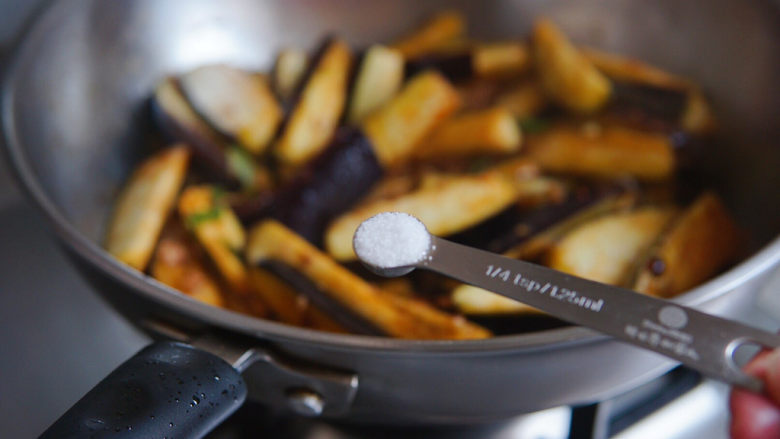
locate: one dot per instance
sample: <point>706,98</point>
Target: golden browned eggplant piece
<point>568,77</point>
<point>144,205</point>
<point>535,235</point>
<point>695,115</point>
<point>627,69</point>
<point>237,103</point>
<point>447,206</point>
<point>222,236</point>
<point>288,305</point>
<point>395,129</point>
<point>289,69</point>
<point>495,62</point>
<point>179,264</point>
<point>491,131</point>
<point>608,248</point>
<point>380,76</point>
<point>434,35</point>
<point>318,108</point>
<point>501,60</point>
<point>597,150</point>
<point>218,230</point>
<point>271,241</point>
<point>701,242</point>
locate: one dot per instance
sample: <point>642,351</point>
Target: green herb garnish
<point>241,165</point>
<point>199,218</point>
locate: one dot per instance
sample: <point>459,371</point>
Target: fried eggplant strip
<point>446,207</point>
<point>318,110</point>
<point>702,241</point>
<point>436,34</point>
<point>697,114</point>
<point>144,205</point>
<point>568,77</point>
<point>218,231</point>
<point>271,241</point>
<point>607,249</point>
<point>495,62</point>
<point>491,131</point>
<point>178,264</point>
<point>288,305</point>
<point>395,129</point>
<point>628,69</point>
<point>501,60</point>
<point>379,78</point>
<point>595,150</point>
<point>289,69</point>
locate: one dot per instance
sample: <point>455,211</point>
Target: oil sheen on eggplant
<point>326,187</point>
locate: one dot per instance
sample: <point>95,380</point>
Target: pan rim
<point>760,262</point>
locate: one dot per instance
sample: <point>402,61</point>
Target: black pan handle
<point>167,389</point>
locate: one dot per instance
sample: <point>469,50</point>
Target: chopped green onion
<point>199,218</point>
<point>241,165</point>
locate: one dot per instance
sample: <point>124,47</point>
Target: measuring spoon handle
<point>698,340</point>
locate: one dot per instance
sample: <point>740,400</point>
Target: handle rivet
<point>305,402</point>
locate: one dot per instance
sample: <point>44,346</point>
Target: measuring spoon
<point>700,341</point>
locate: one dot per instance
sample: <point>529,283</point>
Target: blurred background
<point>57,338</point>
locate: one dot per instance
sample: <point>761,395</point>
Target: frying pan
<point>75,124</point>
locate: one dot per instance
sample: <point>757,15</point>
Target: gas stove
<point>679,405</point>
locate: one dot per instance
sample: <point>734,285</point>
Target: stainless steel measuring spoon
<point>700,341</point>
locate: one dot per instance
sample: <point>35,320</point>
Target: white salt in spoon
<point>393,244</point>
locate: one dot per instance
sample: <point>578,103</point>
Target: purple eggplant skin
<point>659,109</point>
<point>454,67</point>
<point>207,150</point>
<point>325,188</point>
<point>341,314</point>
<point>647,106</point>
